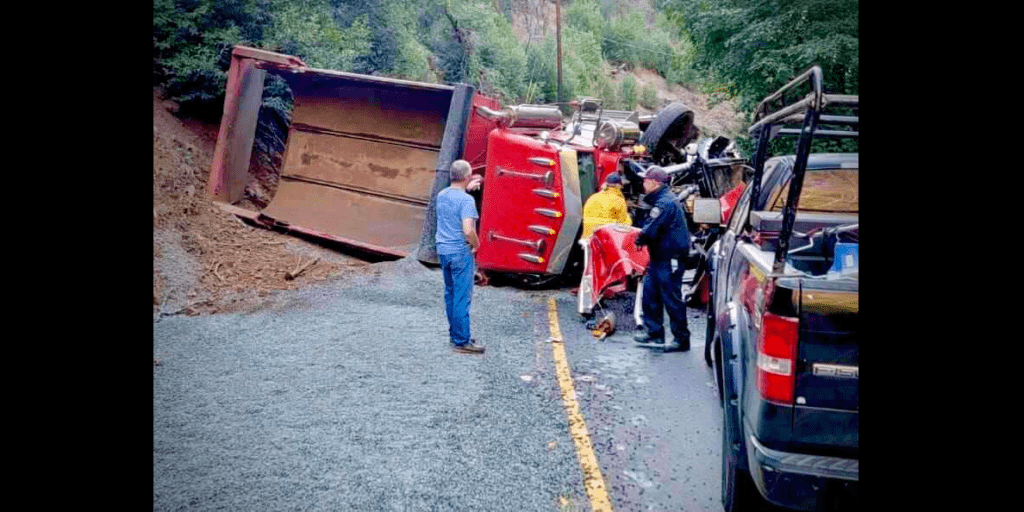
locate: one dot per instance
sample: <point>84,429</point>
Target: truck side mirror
<point>707,211</point>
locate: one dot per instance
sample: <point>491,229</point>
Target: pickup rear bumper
<point>803,482</point>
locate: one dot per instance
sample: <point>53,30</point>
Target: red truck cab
<point>539,173</point>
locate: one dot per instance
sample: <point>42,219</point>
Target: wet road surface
<point>654,416</point>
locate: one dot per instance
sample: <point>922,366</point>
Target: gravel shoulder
<point>345,396</point>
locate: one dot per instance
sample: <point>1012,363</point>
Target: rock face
<point>532,20</point>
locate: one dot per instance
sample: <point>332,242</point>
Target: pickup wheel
<point>668,133</point>
<point>738,491</point>
<point>716,345</point>
<point>707,350</point>
<point>709,337</point>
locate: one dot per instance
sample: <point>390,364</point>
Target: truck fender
<point>729,324</point>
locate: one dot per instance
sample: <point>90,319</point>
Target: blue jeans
<point>458,272</point>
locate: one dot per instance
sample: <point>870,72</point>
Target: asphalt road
<point>347,397</point>
<point>654,416</point>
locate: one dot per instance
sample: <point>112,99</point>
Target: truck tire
<point>738,491</point>
<point>670,131</point>
<point>716,345</point>
<point>709,334</point>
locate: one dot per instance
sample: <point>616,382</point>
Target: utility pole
<point>558,40</point>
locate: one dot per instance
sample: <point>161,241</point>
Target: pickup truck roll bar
<point>778,110</point>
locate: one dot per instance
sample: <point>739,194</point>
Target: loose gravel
<point>346,396</point>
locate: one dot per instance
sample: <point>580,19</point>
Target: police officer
<point>668,243</point>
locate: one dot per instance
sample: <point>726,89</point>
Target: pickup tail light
<point>776,358</point>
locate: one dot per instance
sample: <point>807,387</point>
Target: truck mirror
<point>707,211</point>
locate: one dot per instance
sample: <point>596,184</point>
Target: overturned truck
<point>360,154</point>
<point>365,156</point>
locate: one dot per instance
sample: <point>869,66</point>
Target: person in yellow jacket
<point>606,206</point>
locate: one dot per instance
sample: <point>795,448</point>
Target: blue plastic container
<point>846,260</point>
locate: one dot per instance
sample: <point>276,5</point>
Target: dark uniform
<point>668,243</point>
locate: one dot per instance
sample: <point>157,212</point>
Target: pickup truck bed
<point>783,319</point>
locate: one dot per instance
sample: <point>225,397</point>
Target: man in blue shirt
<point>457,243</point>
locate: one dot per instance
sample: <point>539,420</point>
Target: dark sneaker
<point>645,340</point>
<point>468,348</point>
<point>675,346</point>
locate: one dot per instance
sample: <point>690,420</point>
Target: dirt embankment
<point>208,261</point>
<point>713,119</point>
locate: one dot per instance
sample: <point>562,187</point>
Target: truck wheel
<point>709,331</point>
<point>709,336</point>
<point>707,352</point>
<point>669,133</point>
<point>717,347</point>
<point>738,491</point>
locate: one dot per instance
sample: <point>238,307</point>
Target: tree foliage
<point>445,41</point>
<point>192,43</point>
<point>760,45</point>
<point>627,38</point>
<point>745,48</point>
<point>308,31</point>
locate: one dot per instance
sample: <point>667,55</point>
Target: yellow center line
<point>592,479</point>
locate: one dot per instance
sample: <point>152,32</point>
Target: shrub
<point>582,65</point>
<point>627,92</point>
<point>649,97</point>
<point>541,71</point>
<point>606,92</point>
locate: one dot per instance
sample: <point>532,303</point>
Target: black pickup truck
<point>783,324</point>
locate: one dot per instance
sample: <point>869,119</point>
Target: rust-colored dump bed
<point>360,157</point>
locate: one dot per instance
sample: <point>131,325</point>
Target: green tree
<point>444,41</point>
<point>583,68</point>
<point>541,71</point>
<point>474,43</point>
<point>760,45</point>
<point>394,25</point>
<point>307,30</point>
<point>192,43</point>
<point>583,16</point>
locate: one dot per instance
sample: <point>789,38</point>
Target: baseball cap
<point>657,174</point>
<point>613,179</point>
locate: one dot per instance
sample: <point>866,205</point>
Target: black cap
<point>613,179</point>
